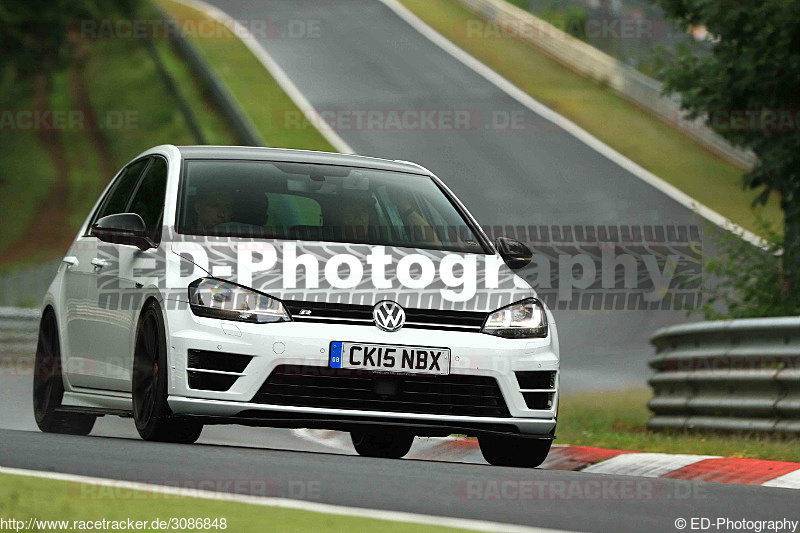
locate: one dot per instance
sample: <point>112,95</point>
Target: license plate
<point>390,358</point>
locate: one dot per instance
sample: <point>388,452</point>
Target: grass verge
<point>26,173</point>
<point>628,129</point>
<point>617,420</point>
<point>251,84</point>
<point>135,112</point>
<point>23,498</point>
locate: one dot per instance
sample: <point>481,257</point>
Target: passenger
<point>354,217</point>
<point>355,213</point>
<point>420,228</point>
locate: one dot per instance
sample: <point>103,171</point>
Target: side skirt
<point>98,402</point>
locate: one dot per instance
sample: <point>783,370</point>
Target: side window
<point>148,201</point>
<point>117,199</point>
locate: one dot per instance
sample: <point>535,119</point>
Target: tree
<point>33,33</point>
<point>748,89</point>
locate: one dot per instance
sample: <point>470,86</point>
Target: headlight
<point>520,320</point>
<point>215,298</point>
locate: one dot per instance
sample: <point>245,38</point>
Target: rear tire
<point>151,413</point>
<point>387,444</point>
<point>48,385</point>
<point>514,451</point>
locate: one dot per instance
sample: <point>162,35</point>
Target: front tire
<point>386,444</point>
<point>514,451</point>
<point>48,385</point>
<point>151,413</point>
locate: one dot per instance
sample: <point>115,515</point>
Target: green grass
<point>252,85</point>
<point>116,88</point>
<point>26,174</point>
<point>122,82</point>
<point>631,131</point>
<point>23,497</point>
<point>85,174</point>
<point>617,420</point>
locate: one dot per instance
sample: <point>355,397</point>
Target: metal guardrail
<point>597,65</point>
<point>731,375</point>
<point>25,287</point>
<point>217,90</point>
<point>19,330</point>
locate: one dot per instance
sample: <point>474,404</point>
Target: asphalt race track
<point>366,58</point>
<point>276,463</point>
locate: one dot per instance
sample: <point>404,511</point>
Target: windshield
<point>313,202</point>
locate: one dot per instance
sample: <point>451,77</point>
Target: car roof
<point>253,153</point>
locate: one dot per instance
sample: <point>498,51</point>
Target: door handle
<point>99,263</point>
<point>70,261</point>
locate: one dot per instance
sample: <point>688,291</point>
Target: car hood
<point>358,274</point>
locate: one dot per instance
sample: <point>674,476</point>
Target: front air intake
<point>214,371</point>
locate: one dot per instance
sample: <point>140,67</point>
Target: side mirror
<point>123,228</point>
<point>514,253</point>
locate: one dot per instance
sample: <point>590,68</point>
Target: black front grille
<point>340,313</point>
<point>538,400</point>
<point>212,382</point>
<point>226,362</point>
<point>335,388</point>
<point>536,379</point>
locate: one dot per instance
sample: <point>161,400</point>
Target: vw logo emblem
<point>388,315</point>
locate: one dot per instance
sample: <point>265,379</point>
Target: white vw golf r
<point>287,288</point>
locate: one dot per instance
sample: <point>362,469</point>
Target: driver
<point>213,207</point>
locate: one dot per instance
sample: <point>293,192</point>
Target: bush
<point>748,281</point>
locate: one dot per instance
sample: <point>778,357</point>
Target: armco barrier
<point>19,329</point>
<point>732,375</point>
<point>592,63</point>
<point>25,287</point>
<point>218,91</point>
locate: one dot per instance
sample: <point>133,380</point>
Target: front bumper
<point>304,344</point>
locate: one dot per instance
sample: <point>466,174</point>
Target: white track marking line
<point>644,464</point>
<point>274,69</point>
<point>786,481</point>
<point>564,123</point>
<point>332,440</point>
<point>284,503</point>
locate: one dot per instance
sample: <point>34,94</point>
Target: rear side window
<point>148,201</point>
<point>117,199</point>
